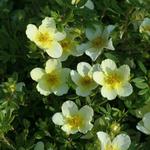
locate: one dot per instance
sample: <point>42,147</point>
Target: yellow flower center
<point>53,79</point>
<point>75,121</point>
<point>85,81</point>
<point>67,45</point>
<point>110,147</point>
<point>99,42</point>
<point>44,39</point>
<point>113,80</point>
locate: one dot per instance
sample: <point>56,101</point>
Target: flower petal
<point>59,36</point>
<point>125,89</point>
<point>83,91</point>
<point>89,4</point>
<point>95,67</point>
<point>37,73</point>
<point>52,64</point>
<point>99,77</point>
<point>146,120</point>
<point>104,139</point>
<point>66,128</point>
<point>86,127</point>
<point>122,141</point>
<point>140,127</point>
<point>86,112</point>
<point>44,84</point>
<point>83,68</point>
<point>64,56</point>
<point>108,93</point>
<point>42,90</point>
<point>75,77</point>
<point>31,31</point>
<point>93,53</point>
<point>108,64</point>
<point>90,33</point>
<point>83,47</point>
<point>49,22</point>
<point>99,30</point>
<point>124,71</point>
<point>58,119</point>
<point>107,31</point>
<point>55,50</point>
<point>61,90</point>
<point>65,72</point>
<point>110,45</point>
<point>69,108</point>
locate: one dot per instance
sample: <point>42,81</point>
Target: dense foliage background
<point>25,115</point>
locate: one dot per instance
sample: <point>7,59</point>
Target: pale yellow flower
<point>46,37</point>
<point>83,78</point>
<point>99,38</point>
<point>70,45</point>
<point>52,79</point>
<point>120,142</point>
<point>73,120</point>
<point>114,81</point>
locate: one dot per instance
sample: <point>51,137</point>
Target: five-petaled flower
<point>83,78</point>
<point>46,37</point>
<point>53,79</point>
<point>70,45</point>
<point>120,142</point>
<point>145,26</point>
<point>98,40</point>
<point>114,81</point>
<point>73,120</point>
<point>144,125</point>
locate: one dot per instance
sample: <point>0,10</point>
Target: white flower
<point>73,120</point>
<point>120,142</point>
<point>89,4</point>
<point>69,45</point>
<point>46,37</point>
<point>98,40</point>
<point>145,26</point>
<point>83,78</point>
<point>51,80</point>
<point>114,81</point>
<point>144,125</point>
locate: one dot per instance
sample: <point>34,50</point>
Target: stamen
<point>85,81</point>
<point>98,42</point>
<point>75,121</point>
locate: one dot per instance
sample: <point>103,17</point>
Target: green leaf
<point>144,91</point>
<point>141,85</point>
<point>60,2</point>
<point>137,80</point>
<point>142,67</point>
